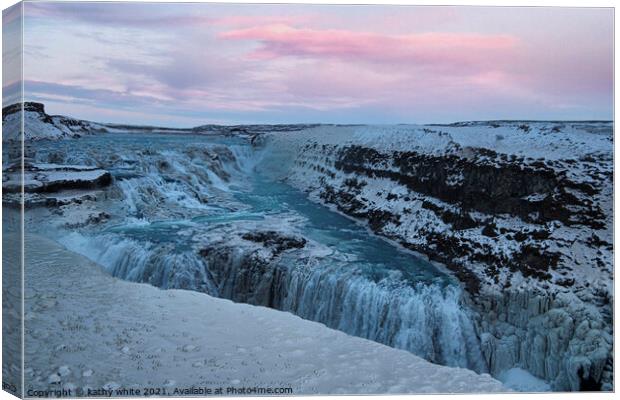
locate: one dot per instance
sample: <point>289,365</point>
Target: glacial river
<point>172,194</point>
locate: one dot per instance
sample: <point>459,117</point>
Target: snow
<point>35,128</point>
<point>570,140</point>
<point>540,141</point>
<point>181,339</point>
<point>40,177</point>
<point>38,126</point>
<point>60,176</point>
<point>551,331</point>
<point>522,381</point>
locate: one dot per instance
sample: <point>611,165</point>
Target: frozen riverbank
<point>176,339</point>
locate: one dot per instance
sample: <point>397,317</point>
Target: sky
<point>187,64</point>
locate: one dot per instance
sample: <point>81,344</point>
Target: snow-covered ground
<point>523,381</point>
<point>530,139</point>
<point>87,330</point>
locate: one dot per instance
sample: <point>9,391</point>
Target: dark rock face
<point>254,277</point>
<point>498,187</point>
<point>57,179</point>
<point>275,240</point>
<point>588,383</point>
<point>77,183</point>
<point>51,185</point>
<point>27,106</point>
<point>459,221</point>
<point>93,219</point>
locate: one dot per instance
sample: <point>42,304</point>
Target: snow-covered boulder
<point>54,177</point>
<point>52,184</point>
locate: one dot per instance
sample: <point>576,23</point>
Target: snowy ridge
<point>247,346</point>
<point>528,139</point>
<point>39,126</point>
<point>519,211</point>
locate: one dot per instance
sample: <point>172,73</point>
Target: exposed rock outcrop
<point>275,240</point>
<point>52,184</point>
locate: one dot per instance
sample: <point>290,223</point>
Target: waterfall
<point>160,196</point>
<point>428,320</point>
<point>425,319</point>
<point>156,264</point>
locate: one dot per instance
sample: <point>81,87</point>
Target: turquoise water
<point>259,197</point>
<point>176,194</point>
<point>374,256</point>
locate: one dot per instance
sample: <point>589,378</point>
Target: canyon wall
<point>520,213</point>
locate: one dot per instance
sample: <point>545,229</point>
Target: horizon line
<point>121,124</point>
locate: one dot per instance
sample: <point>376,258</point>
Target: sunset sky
<point>191,64</point>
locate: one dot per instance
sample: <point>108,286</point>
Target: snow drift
<point>159,338</point>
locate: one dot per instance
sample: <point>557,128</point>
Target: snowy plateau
<point>327,258</point>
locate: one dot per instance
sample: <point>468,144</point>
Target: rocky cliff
<point>521,212</point>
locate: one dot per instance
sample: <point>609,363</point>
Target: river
<point>173,195</point>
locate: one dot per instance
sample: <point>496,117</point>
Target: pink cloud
<point>453,50</point>
<point>254,20</point>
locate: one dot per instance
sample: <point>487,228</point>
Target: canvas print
<point>204,199</point>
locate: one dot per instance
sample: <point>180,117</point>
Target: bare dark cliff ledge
<point>28,106</point>
<point>488,182</point>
